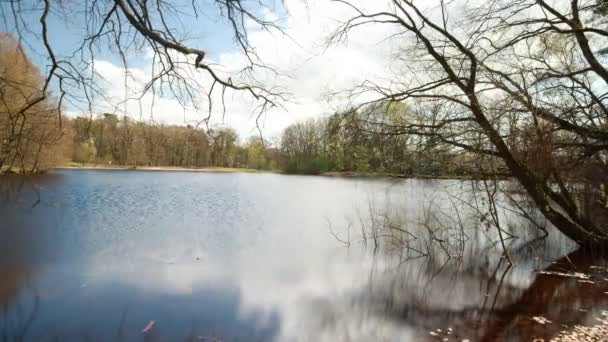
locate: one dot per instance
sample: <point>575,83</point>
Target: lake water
<point>185,256</point>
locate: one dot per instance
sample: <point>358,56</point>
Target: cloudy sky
<point>312,70</point>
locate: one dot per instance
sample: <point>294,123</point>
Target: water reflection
<point>245,257</point>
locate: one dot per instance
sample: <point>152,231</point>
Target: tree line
<point>110,139</point>
<point>367,140</point>
<point>362,141</point>
<point>342,142</point>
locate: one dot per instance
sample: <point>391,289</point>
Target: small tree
<point>256,153</point>
<point>85,152</point>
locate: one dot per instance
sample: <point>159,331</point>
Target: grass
<point>393,175</point>
<point>73,164</point>
<point>88,166</point>
<point>235,169</point>
<point>358,174</point>
<point>354,174</point>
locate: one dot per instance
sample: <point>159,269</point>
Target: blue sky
<point>67,30</point>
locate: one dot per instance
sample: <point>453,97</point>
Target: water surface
<point>101,255</point>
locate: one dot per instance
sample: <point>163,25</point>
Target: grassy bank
<point>79,166</point>
<point>395,175</point>
<point>345,174</point>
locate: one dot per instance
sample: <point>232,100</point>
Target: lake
<point>91,255</point>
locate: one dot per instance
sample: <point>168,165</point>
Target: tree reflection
<point>482,301</point>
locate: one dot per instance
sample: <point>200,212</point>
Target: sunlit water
<point>179,256</point>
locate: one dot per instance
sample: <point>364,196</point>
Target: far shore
<point>348,174</point>
<point>161,168</point>
<point>344,174</point>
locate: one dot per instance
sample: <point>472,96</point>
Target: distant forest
<point>343,142</point>
<point>110,139</point>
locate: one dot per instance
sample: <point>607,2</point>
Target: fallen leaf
<point>562,274</point>
<point>148,327</point>
<point>541,320</point>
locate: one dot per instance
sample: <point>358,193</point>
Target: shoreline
<point>161,168</point>
<point>342,174</point>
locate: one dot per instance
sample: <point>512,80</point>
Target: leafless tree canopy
<point>122,27</point>
<point>522,83</point>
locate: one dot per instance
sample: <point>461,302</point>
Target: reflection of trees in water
<point>15,327</point>
<point>23,252</point>
<point>558,298</point>
<point>452,271</point>
<point>452,220</point>
<point>23,191</point>
<point>480,302</point>
<point>501,310</point>
<point>25,247</point>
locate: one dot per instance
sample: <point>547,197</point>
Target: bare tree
<point>123,27</point>
<point>522,82</point>
<point>30,140</point>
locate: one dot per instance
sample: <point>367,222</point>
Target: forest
<point>342,142</point>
